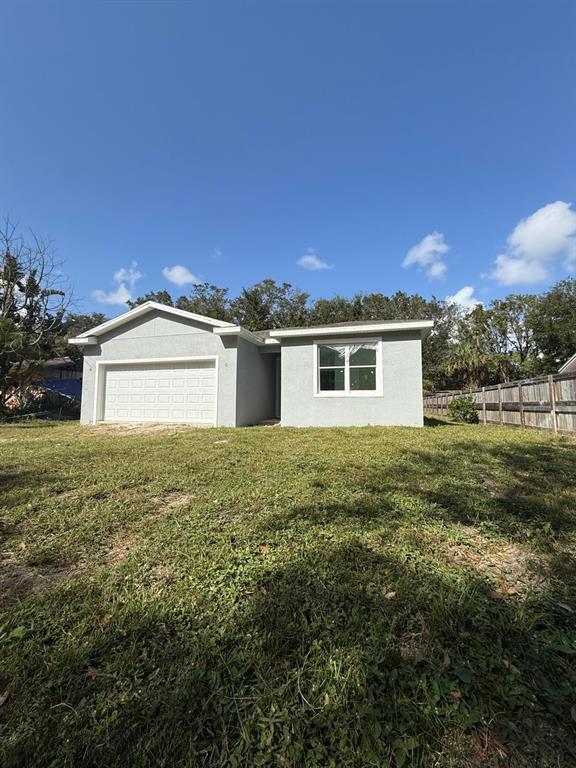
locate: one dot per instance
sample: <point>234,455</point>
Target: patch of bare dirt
<point>172,500</point>
<point>512,569</point>
<point>161,573</point>
<point>120,548</point>
<point>19,580</point>
<point>478,750</point>
<point>413,646</point>
<point>493,488</point>
<point>128,430</point>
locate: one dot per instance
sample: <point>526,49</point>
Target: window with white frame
<point>347,368</point>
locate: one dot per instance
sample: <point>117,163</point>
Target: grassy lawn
<point>285,598</point>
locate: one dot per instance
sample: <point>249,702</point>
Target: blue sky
<point>397,145</point>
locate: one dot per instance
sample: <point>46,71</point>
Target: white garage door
<point>170,392</point>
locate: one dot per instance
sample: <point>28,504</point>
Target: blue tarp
<point>66,387</point>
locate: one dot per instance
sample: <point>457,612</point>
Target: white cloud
<point>120,296</point>
<point>427,255</point>
<point>180,275</point>
<point>311,261</point>
<point>464,298</point>
<point>437,270</point>
<point>537,243</point>
<point>125,279</point>
<point>129,275</point>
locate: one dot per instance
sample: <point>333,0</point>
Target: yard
<point>287,598</point>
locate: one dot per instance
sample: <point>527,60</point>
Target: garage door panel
<point>182,392</point>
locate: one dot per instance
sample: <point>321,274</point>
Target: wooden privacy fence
<point>548,402</point>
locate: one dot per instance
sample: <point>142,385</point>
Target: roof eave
<point>243,333</point>
<point>83,341</point>
<point>324,330</point>
<point>569,365</point>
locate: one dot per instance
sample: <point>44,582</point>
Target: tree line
<point>519,336</point>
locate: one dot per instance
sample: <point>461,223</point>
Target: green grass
<point>276,597</point>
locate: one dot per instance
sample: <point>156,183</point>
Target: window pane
<point>362,378</point>
<point>363,354</point>
<point>330,355</point>
<point>331,379</point>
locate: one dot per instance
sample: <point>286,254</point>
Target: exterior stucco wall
<point>161,336</point>
<point>255,384</point>
<point>400,403</point>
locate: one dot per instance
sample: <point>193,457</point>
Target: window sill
<point>370,393</point>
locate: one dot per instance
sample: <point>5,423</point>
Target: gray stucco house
<point>569,366</point>
<point>160,364</point>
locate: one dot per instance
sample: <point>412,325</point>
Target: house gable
<point>154,324</point>
<point>91,337</point>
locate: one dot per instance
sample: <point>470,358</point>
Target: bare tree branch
<point>33,300</point>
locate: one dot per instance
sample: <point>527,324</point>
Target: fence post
<point>483,405</point>
<point>521,403</point>
<point>552,397</point>
<point>500,404</point>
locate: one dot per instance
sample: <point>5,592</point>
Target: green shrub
<point>463,409</point>
<point>428,387</point>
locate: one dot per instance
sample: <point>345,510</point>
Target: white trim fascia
<point>83,341</point>
<point>569,365</point>
<point>323,330</point>
<point>143,309</point>
<point>378,392</point>
<point>238,330</point>
<point>101,365</point>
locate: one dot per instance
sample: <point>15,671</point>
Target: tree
<point>475,358</point>
<point>510,319</point>
<point>73,325</point>
<point>437,344</point>
<point>553,319</point>
<point>269,305</point>
<point>32,305</point>
<point>207,299</point>
<point>338,309</point>
<point>160,297</point>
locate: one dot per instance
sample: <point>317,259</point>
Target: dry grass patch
<point>19,580</point>
<point>414,645</point>
<point>121,548</point>
<point>133,430</point>
<point>172,500</point>
<point>512,568</point>
<point>480,750</point>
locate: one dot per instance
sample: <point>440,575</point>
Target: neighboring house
<point>160,364</point>
<point>569,366</point>
<point>59,368</point>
